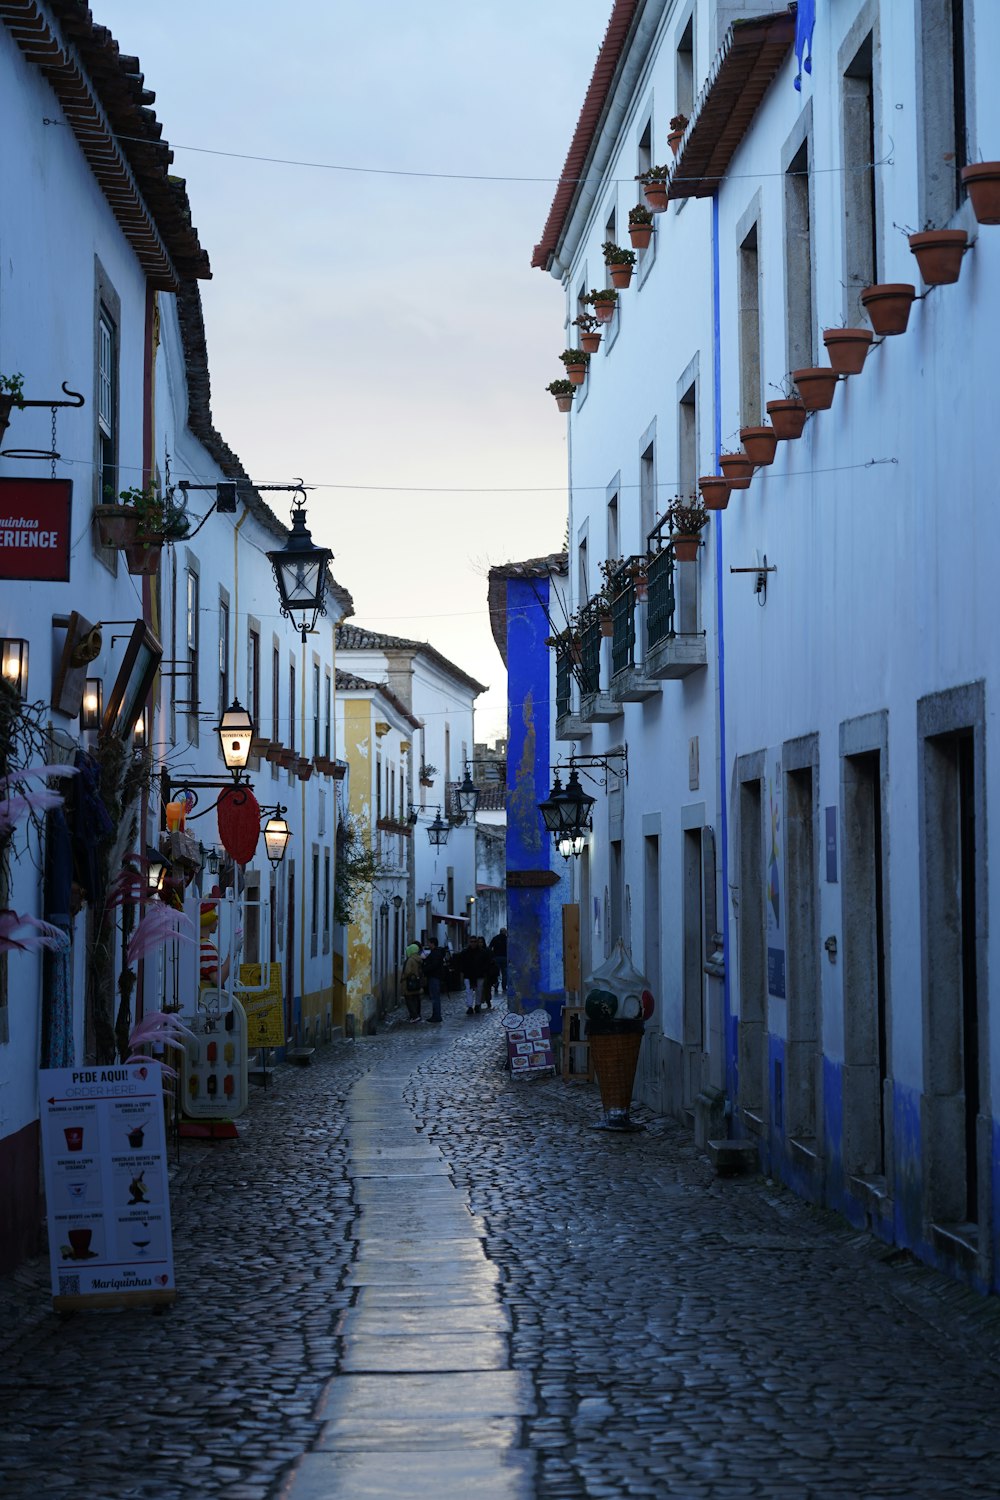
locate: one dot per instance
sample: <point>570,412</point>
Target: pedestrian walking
<point>498,947</point>
<point>413,982</point>
<point>474,962</point>
<point>435,960</point>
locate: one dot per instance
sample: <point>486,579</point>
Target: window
<point>191,640</point>
<point>276,694</point>
<point>253,677</point>
<point>224,696</point>
<point>798,263</point>
<point>326,900</point>
<point>584,581</point>
<point>315,695</point>
<point>684,94</point>
<point>107,402</point>
<point>614,540</point>
<point>647,493</point>
<point>945,116</point>
<point>378,786</point>
<point>749,324</point>
<point>861,181</point>
<point>328,716</point>
<point>314,904</point>
<point>291,706</point>
<point>644,149</point>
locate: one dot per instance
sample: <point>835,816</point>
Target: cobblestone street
<point>640,1327</point>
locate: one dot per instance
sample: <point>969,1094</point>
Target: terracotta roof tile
<point>356,638</point>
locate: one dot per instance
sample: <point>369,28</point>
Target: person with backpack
<point>413,982</point>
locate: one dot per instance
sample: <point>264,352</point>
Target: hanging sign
<point>35,519</point>
<point>105,1155</point>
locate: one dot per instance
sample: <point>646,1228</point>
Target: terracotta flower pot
<point>607,626</point>
<point>788,417</point>
<point>287,759</point>
<point>655,194</point>
<point>116,524</point>
<point>605,311</point>
<point>888,304</point>
<point>641,583</point>
<point>273,756</point>
<point>816,387</point>
<point>564,401</point>
<point>982,181</point>
<point>303,769</point>
<point>760,444</point>
<point>590,342</point>
<point>621,275</point>
<point>576,374</point>
<point>939,254</point>
<point>142,555</point>
<point>848,348</point>
<point>714,491</point>
<point>674,140</point>
<point>738,470</point>
<point>686,548</point>
<point>640,235</point>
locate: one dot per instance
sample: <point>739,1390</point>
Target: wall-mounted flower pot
<point>714,491</point>
<point>848,348</point>
<point>982,182</point>
<point>760,445</point>
<point>590,342</point>
<point>564,401</point>
<point>888,304</point>
<point>816,387</point>
<point>576,374</point>
<point>621,274</point>
<point>674,140</point>
<point>641,584</point>
<point>640,235</point>
<point>939,254</point>
<point>655,194</point>
<point>259,746</point>
<point>287,759</point>
<point>273,756</point>
<point>605,311</point>
<point>607,626</point>
<point>303,769</point>
<point>339,771</point>
<point>685,547</point>
<point>738,470</point>
<point>788,417</point>
<point>116,524</point>
<point>142,555</point>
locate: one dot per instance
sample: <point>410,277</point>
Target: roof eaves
<point>536,567</point>
<point>743,70</point>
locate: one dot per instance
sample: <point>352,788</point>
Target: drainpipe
<point>727,1003</point>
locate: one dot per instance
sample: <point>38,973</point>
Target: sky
<point>383,336</point>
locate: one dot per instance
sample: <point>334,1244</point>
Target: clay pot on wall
<point>982,183</point>
<point>564,401</point>
<point>738,470</point>
<point>142,555</point>
<point>685,547</point>
<point>939,254</point>
<point>116,524</point>
<point>590,342</point>
<point>577,374</point>
<point>848,348</point>
<point>788,417</point>
<point>605,311</point>
<point>607,626</point>
<point>640,235</point>
<point>760,445</point>
<point>655,194</point>
<point>714,491</point>
<point>888,304</point>
<point>674,139</point>
<point>621,274</point>
<point>816,387</point>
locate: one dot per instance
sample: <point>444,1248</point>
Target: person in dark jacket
<point>498,947</point>
<point>474,963</point>
<point>435,960</point>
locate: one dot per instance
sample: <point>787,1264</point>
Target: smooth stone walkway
<point>427,1403</point>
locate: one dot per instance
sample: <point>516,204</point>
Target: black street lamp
<point>467,798</point>
<point>276,836</point>
<point>300,573</point>
<point>438,831</point>
<point>566,813</point>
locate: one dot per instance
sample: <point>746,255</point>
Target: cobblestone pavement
<point>684,1336</point>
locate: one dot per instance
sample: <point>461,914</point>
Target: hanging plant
<point>619,263</point>
<point>888,304</point>
<point>576,362</point>
<point>590,332</point>
<point>11,395</point>
<point>981,180</point>
<point>687,520</point>
<point>640,226</point>
<point>848,348</point>
<point>737,469</point>
<point>678,125</point>
<point>603,302</point>
<point>563,391</point>
<point>654,187</point>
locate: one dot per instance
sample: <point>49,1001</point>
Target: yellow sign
<point>265,1007</point>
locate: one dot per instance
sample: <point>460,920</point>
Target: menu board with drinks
<point>105,1154</point>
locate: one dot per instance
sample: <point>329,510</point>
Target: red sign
<point>34,528</point>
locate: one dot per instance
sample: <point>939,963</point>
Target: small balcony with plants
<point>596,703</point>
<point>674,646</point>
<point>569,674</point>
<point>627,587</point>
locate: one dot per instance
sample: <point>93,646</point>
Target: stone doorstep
<point>734,1158</point>
<point>959,1242</point>
<point>873,1194</point>
<point>426,1473</point>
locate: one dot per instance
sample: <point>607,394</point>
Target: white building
<point>800,857</point>
<point>99,298</point>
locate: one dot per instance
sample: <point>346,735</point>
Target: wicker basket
<point>616,1058</point>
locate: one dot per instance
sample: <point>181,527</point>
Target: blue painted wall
<point>534,917</point>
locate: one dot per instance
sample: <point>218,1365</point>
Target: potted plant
<point>640,226</point>
<point>427,774</point>
<point>788,417</point>
<point>159,521</point>
<point>576,362</point>
<point>603,302</point>
<point>11,395</point>
<point>619,263</point>
<point>303,768</point>
<point>737,469</point>
<point>939,254</point>
<point>816,386</point>
<point>287,759</point>
<point>687,520</point>
<point>563,392</point>
<point>654,187</point>
<point>117,520</point>
<point>590,332</point>
<point>981,179</point>
<point>888,304</point>
<point>678,125</point>
<point>848,348</point>
<point>714,491</point>
<point>273,755</point>
<point>760,444</point>
<point>611,569</point>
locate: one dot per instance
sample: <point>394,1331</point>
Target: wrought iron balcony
<point>596,703</point>
<point>669,651</point>
<point>569,725</point>
<point>629,680</point>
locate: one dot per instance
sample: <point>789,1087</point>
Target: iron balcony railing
<point>623,589</point>
<point>662,599</point>
<point>590,640</point>
<point>564,683</point>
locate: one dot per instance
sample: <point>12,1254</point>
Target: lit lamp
<point>467,797</point>
<point>156,871</point>
<point>235,737</point>
<point>140,734</point>
<point>276,836</point>
<point>566,813</point>
<point>300,573</point>
<point>92,703</point>
<point>438,831</point>
<point>14,665</point>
